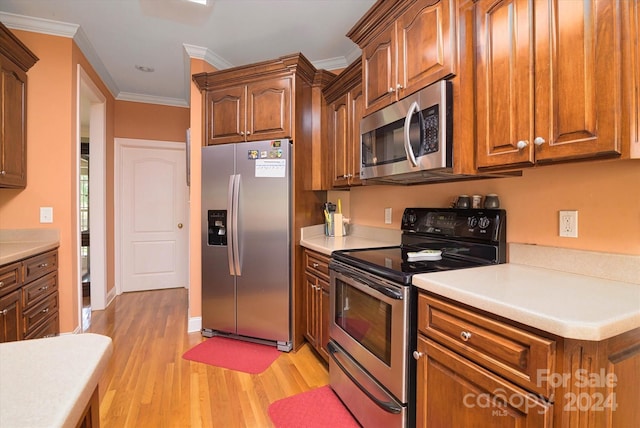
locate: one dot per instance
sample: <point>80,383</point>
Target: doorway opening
<point>91,215</point>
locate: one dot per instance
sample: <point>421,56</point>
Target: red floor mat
<point>318,408</point>
<point>233,354</point>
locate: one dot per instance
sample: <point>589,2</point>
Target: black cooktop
<point>467,238</point>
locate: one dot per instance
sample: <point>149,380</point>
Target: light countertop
<point>566,304</point>
<point>22,243</point>
<point>313,237</point>
<point>49,382</point>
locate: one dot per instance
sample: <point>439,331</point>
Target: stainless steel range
<point>373,306</point>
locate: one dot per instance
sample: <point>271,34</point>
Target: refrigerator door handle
<point>234,231</point>
<point>231,226</point>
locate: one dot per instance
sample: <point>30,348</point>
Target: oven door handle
<point>342,361</point>
<point>387,291</point>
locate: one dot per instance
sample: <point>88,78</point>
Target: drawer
<point>506,349</point>
<point>39,288</point>
<point>317,263</point>
<point>49,328</point>
<point>38,266</point>
<point>9,278</point>
<point>33,317</point>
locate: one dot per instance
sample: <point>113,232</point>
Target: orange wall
<point>51,158</point>
<point>150,121</point>
<point>605,193</point>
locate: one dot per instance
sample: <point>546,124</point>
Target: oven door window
<point>365,318</point>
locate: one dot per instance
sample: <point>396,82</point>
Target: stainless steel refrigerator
<point>246,241</point>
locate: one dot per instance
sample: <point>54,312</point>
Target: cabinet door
<point>339,139</point>
<point>504,82</point>
<point>310,306</point>
<point>13,171</point>
<point>225,115</point>
<point>379,71</point>
<point>10,317</point>
<point>323,321</point>
<point>356,113</point>
<point>577,79</point>
<point>426,45</point>
<point>452,391</point>
<point>269,110</point>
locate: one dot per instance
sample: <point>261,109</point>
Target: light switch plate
<point>46,214</point>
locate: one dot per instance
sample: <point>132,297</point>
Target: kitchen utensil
<point>476,201</point>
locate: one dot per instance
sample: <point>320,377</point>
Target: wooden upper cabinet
<point>256,101</point>
<point>548,81</point>
<point>15,61</point>
<point>345,107</point>
<point>269,109</point>
<point>258,111</point>
<point>415,48</point>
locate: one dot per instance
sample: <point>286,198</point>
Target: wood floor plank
<point>148,384</point>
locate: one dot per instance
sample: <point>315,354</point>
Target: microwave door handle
<point>414,108</point>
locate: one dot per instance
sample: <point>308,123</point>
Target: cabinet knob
<point>391,90</point>
<point>399,86</point>
<point>248,132</point>
<point>417,355</point>
<point>3,172</point>
<point>539,141</point>
<point>242,133</point>
<point>522,144</point>
<point>1,284</point>
<point>315,265</point>
<point>3,312</point>
<point>44,311</point>
<point>465,335</point>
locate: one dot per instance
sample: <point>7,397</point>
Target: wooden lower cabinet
<point>454,392</point>
<point>475,369</point>
<point>316,300</point>
<point>29,298</point>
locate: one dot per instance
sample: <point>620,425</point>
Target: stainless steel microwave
<point>410,141</point>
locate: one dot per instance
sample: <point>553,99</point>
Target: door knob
<point>179,225</point>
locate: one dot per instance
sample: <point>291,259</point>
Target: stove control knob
<point>472,222</point>
<point>484,222</point>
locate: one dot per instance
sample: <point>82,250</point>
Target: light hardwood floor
<point>149,384</point>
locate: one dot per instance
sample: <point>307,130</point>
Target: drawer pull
<point>417,355</point>
<point>315,265</point>
<point>44,311</point>
<point>1,283</point>
<point>465,335</point>
<point>46,287</point>
<point>43,265</point>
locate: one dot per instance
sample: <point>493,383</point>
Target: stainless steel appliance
<point>373,306</point>
<point>411,140</point>
<point>246,241</point>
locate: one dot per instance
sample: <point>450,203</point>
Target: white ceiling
<point>117,35</point>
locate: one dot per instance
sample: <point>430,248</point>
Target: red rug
<point>318,408</point>
<point>233,354</point>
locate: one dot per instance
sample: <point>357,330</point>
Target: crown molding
<point>62,29</point>
<point>150,99</point>
<point>336,63</point>
<point>354,54</point>
<point>207,55</point>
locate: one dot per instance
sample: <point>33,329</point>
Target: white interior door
<point>154,214</point>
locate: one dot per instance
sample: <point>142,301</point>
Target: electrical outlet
<point>387,216</point>
<point>568,221</point>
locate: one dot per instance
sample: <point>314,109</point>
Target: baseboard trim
<point>194,325</point>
